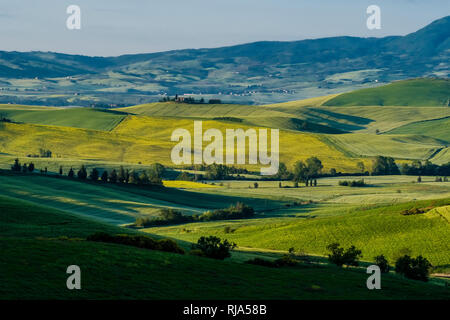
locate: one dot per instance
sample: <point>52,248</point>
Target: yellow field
<point>186,184</point>
<point>147,140</point>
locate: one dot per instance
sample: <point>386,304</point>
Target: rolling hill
<point>416,92</point>
<point>39,243</point>
<point>256,73</point>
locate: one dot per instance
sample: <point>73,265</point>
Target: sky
<point>113,27</point>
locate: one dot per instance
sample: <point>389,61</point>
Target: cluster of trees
<point>190,100</point>
<point>384,166</point>
<point>307,171</point>
<point>17,167</point>
<point>152,176</point>
<point>4,117</point>
<point>414,268</point>
<point>213,247</point>
<point>43,153</point>
<point>417,168</point>
<point>169,216</point>
<point>353,183</point>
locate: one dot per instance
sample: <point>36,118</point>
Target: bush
<point>353,183</point>
<point>413,268</point>
<point>340,257</point>
<point>139,241</point>
<point>412,211</point>
<point>213,247</point>
<point>382,263</point>
<point>238,211</point>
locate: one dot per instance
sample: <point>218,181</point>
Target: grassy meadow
<point>45,217</point>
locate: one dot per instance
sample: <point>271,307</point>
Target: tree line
<point>151,176</point>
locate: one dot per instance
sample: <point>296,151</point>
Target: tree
<point>31,167</point>
<point>60,170</point>
<point>384,166</point>
<point>283,173</point>
<point>382,263</point>
<point>82,173</point>
<point>339,256</point>
<point>333,172</point>
<point>121,175</point>
<point>94,175</point>
<point>24,168</point>
<point>300,172</point>
<point>71,173</point>
<point>256,185</point>
<point>104,176</point>
<point>413,268</point>
<point>113,176</point>
<point>213,247</point>
<point>419,179</point>
<point>314,166</point>
<point>16,166</point>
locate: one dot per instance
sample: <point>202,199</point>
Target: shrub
<point>139,241</point>
<point>382,262</point>
<point>413,211</point>
<point>238,211</point>
<point>413,268</point>
<point>353,183</point>
<point>339,256</point>
<point>213,247</point>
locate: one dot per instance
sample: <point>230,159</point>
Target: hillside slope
<point>28,234</point>
<point>416,92</point>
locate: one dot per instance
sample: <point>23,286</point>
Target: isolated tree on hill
<point>71,173</point>
<point>60,170</point>
<point>31,167</point>
<point>104,176</point>
<point>82,173</point>
<point>94,175</point>
<point>113,176</point>
<point>16,166</point>
<point>419,179</point>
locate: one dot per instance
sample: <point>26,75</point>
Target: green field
<point>39,243</point>
<point>437,129</point>
<point>415,92</point>
<point>375,230</point>
<point>45,218</point>
<point>85,118</point>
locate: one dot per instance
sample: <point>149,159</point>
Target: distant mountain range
<point>260,72</point>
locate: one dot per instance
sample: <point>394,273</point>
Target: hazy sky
<point>113,27</point>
